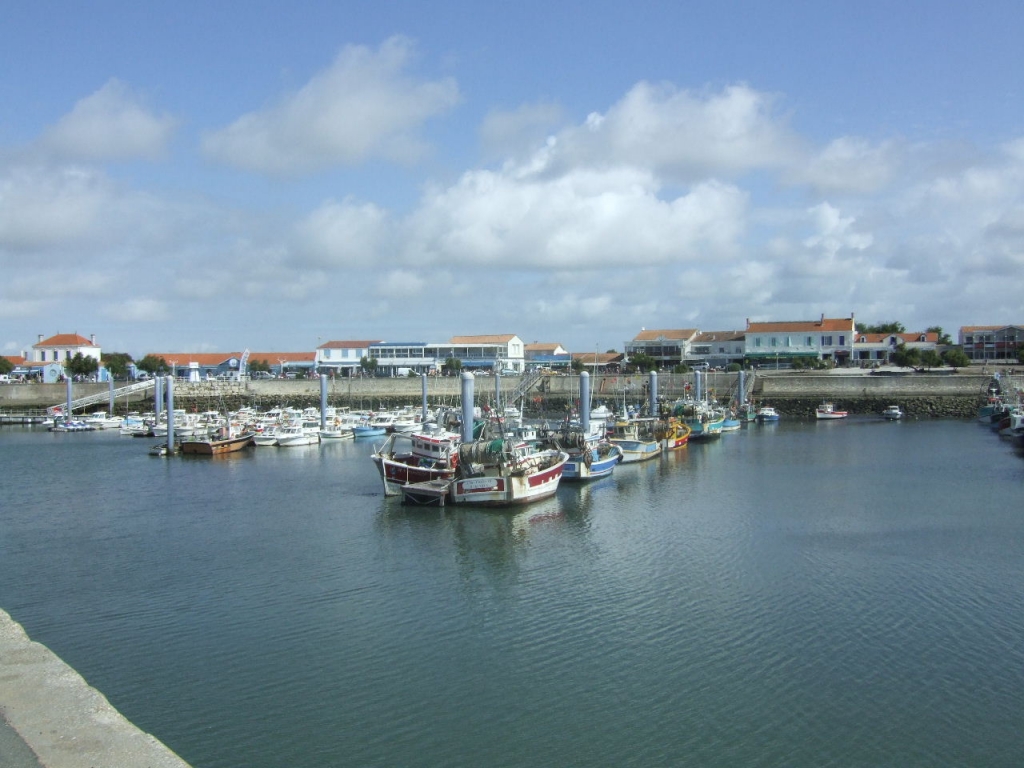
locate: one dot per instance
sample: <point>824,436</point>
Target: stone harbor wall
<point>947,394</point>
<point>60,720</point>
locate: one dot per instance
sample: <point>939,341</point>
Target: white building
<point>63,347</point>
<point>341,355</point>
<point>823,339</point>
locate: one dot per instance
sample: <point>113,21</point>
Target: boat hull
<point>502,488</point>
<point>637,450</point>
<point>578,468</point>
<point>398,472</point>
<point>216,447</point>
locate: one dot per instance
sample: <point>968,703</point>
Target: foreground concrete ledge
<point>61,718</point>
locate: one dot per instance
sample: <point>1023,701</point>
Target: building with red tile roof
<point>992,342</point>
<point>878,347</point>
<point>823,339</point>
<point>64,346</point>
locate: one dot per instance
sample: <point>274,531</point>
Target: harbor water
<point>798,594</point>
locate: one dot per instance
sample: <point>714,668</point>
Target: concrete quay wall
<point>945,394</point>
<point>61,721</point>
<point>920,395</point>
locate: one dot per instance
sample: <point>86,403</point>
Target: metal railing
<point>136,387</point>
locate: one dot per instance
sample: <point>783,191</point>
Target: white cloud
<point>401,284</point>
<point>582,220</point>
<point>683,135</point>
<point>141,309</point>
<point>847,164</point>
<point>41,207</point>
<point>835,233</point>
<point>344,234</point>
<point>515,132</point>
<point>363,106</point>
<point>110,124</point>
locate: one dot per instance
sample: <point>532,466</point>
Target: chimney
<point>822,319</point>
<point>92,339</point>
<point>40,339</point>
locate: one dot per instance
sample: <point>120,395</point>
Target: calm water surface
<point>846,593</point>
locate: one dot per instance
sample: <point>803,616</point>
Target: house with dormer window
<point>782,342</point>
<point>878,347</point>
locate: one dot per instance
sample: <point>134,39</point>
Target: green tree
<point>368,364</point>
<point>262,366</point>
<point>890,327</point>
<point>1020,355</point>
<point>681,368</point>
<point>577,365</point>
<point>6,366</point>
<point>117,363</point>
<point>943,336</point>
<point>956,358</point>
<point>152,364</point>
<point>82,365</point>
<point>930,359</point>
<point>642,362</point>
<point>905,357</point>
<point>452,365</point>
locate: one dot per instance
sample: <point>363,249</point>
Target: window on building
<point>842,341</point>
<point>757,341</point>
<point>826,341</point>
<point>810,341</point>
<point>775,342</point>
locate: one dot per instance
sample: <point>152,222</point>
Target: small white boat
<point>102,420</point>
<point>892,412</point>
<point>828,411</point>
<point>295,435</point>
<point>767,413</point>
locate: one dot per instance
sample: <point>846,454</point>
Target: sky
<point>203,177</point>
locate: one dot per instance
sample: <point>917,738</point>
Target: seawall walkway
<point>51,717</point>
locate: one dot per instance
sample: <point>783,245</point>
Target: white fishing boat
<point>828,411</point>
<point>892,413</point>
<point>404,459</point>
<point>499,473</point>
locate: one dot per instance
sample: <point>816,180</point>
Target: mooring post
<point>467,406</point>
<point>323,401</point>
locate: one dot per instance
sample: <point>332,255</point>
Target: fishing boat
<point>635,436</point>
<point>828,411</point>
<point>428,455</point>
<point>730,422</point>
<point>767,413</point>
<point>504,473</point>
<point>746,412</point>
<point>591,455</point>
<point>705,421</point>
<point>673,433</point>
<point>892,413</point>
<point>216,446</point>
